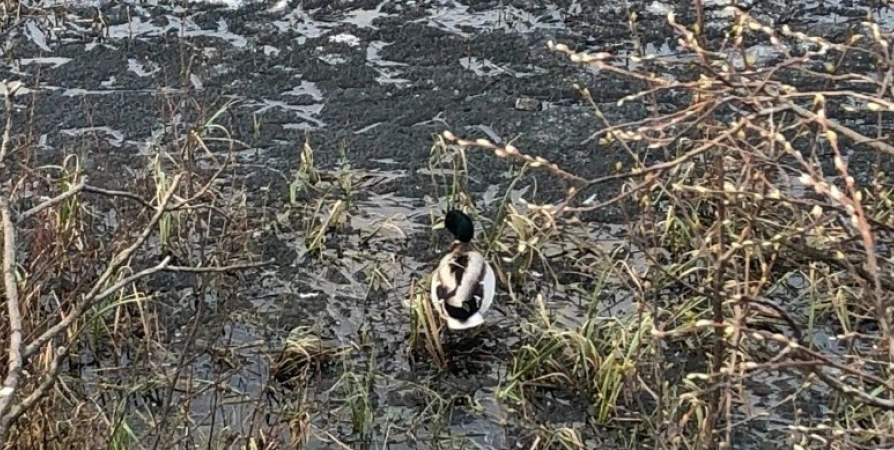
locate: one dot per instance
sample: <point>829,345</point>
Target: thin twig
<point>7,102</point>
<point>130,279</point>
<point>114,193</point>
<point>52,202</point>
<point>84,187</point>
<point>231,268</point>
<point>851,134</point>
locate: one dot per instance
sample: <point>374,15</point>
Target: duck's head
<point>460,224</point>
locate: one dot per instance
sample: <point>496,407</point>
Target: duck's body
<point>463,285</point>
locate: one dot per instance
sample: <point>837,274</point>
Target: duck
<point>463,285</point>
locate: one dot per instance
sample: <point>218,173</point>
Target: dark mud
<point>368,83</point>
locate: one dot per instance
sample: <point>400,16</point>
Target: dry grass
<point>749,236</point>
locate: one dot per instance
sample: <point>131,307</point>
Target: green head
<point>460,225</point>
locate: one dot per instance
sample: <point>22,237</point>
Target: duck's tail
<point>473,321</point>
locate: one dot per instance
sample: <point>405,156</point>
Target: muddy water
<point>368,82</point>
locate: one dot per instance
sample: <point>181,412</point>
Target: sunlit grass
<point>596,359</point>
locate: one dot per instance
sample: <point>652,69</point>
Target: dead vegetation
<point>78,261</point>
<point>756,244</point>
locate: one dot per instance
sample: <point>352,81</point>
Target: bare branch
<point>49,380</point>
<point>114,193</point>
<point>84,187</point>
<point>231,268</point>
<point>864,396</point>
<point>52,202</point>
<point>14,370</point>
<point>857,137</point>
<point>130,279</point>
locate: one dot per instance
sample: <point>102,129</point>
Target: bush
<point>758,214</point>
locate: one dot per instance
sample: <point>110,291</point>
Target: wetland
<point>685,257</point>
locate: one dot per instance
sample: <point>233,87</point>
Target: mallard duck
<point>463,285</point>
